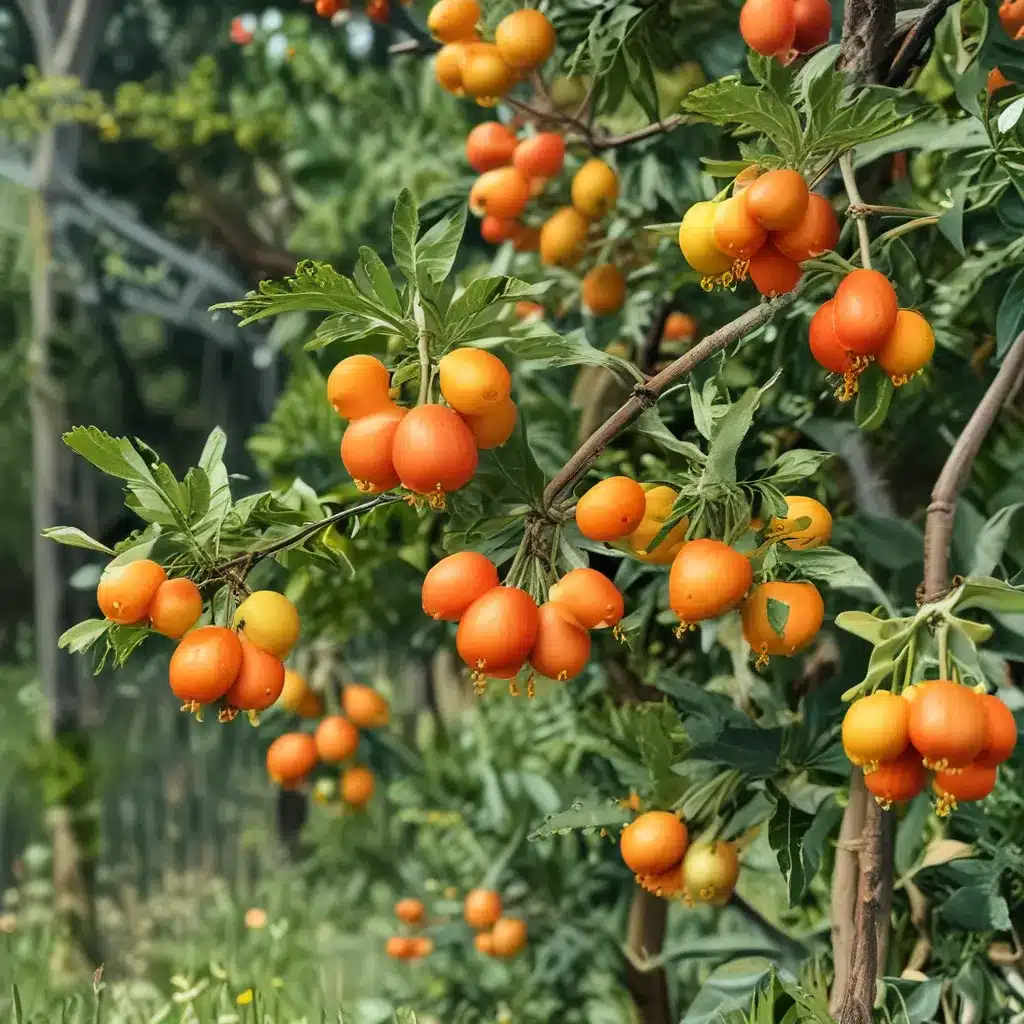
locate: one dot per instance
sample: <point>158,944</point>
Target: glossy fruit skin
<point>768,26</point>
<point>778,200</point>
<point>710,871</point>
<point>697,241</point>
<point>497,231</point>
<point>357,785</point>
<point>772,273</point>
<point>493,429</point>
<point>876,728</point>
<point>542,156</point>
<point>422,945</point>
<point>562,647</point>
<point>400,947</point>
<point>489,146</point>
<point>1011,16</point>
<point>898,780</point>
<point>473,382</point>
<point>205,663</point>
<point>909,347</point>
<point>508,936</point>
<point>813,24</point>
<point>484,943</point>
<point>448,66</point>
<point>947,724</point>
<point>590,596</point>
<point>658,502</point>
<point>745,179</point>
<point>825,346</point>
<point>679,327</point>
<point>595,188</point>
<point>336,738</point>
<point>358,386</point>
<point>175,607</point>
<point>996,81</point>
<point>806,612</point>
<point>864,311</point>
<point>611,509</point>
<point>366,449</point>
<point>604,290</point>
<point>365,707</point>
<point>502,193</point>
<point>498,630</point>
<point>1000,732</point>
<point>434,451</point>
<point>973,782</point>
<point>455,582</point>
<point>653,842</point>
<point>125,592</point>
<point>563,237</point>
<point>410,910</point>
<point>817,231</point>
<point>708,578</point>
<point>291,757</point>
<point>259,681</point>
<point>485,75</point>
<point>296,691</point>
<point>525,38</point>
<point>270,621</point>
<point>452,20</point>
<point>814,534</point>
<point>481,908</point>
<point>735,231</point>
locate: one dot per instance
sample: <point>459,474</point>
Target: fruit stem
<point>905,229</point>
<point>911,651</point>
<point>942,635</point>
<point>422,344</point>
<point>850,181</point>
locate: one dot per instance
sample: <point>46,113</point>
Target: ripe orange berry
<point>735,231</point>
<point>898,780</point>
<point>778,200</point>
<point>1011,16</point>
<point>400,947</point>
<point>590,596</point>
<point>525,38</point>
<point>876,728</point>
<point>864,311</point>
<point>205,664</point>
<point>434,451</point>
<point>768,26</point>
<point>410,910</point>
<point>357,785</point>
<point>270,621</point>
<point>708,579</point>
<point>813,24</point>
<point>493,429</point>
<point>653,843</point>
<point>745,179</point>
<point>473,381</point>
<point>541,156</point>
<point>290,758</point>
<point>697,240</point>
<point>502,193</point>
<point>484,943</point>
<point>1000,732</point>
<point>455,582</point>
<point>485,75</point>
<point>806,611</point>
<point>481,908</point>
<point>366,449</point>
<point>611,509</point>
<point>498,630</point>
<point>126,592</point>
<point>679,327</point>
<point>604,290</point>
<point>824,344</point>
<point>563,237</point>
<point>772,273</point>
<point>336,739</point>
<point>365,707</point>
<point>909,347</point>
<point>452,20</point>
<point>489,146</point>
<point>296,692</point>
<point>974,782</point>
<point>595,188</point>
<point>812,535</point>
<point>422,945</point>
<point>947,724</point>
<point>508,936</point>
<point>379,11</point>
<point>529,311</point>
<point>328,8</point>
<point>562,647</point>
<point>497,231</point>
<point>448,66</point>
<point>176,607</point>
<point>259,682</point>
<point>658,508</point>
<point>996,81</point>
<point>710,871</point>
<point>358,386</point>
<point>816,232</point>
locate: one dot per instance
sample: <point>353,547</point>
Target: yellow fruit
<point>595,188</point>
<point>270,621</point>
<point>812,535</point>
<point>697,241</point>
<point>659,501</point>
<point>563,237</point>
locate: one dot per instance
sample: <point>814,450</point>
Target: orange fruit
<point>473,382</point>
<point>816,232</point>
<point>812,535</point>
<point>269,620</point>
<point>778,200</point>
<point>434,452</point>
<point>604,290</point>
<point>710,871</point>
<point>336,739</point>
<point>745,179</point>
<point>489,146</point>
<point>996,81</point>
<point>897,780</point>
<point>493,429</point>
<point>563,237</point>
<point>484,943</point>
<point>813,20</point>
<point>591,598</point>
<point>908,348</point>
<point>541,156</point>
<point>485,75</point>
<point>259,682</point>
<point>525,238</point>
<point>497,231</point>
<point>422,945</point>
<point>825,346</point>
<point>611,509</point>
<point>679,327</point>
<point>697,240</point>
<point>525,39</point>
<point>357,785</point>
<point>772,273</point>
<point>365,707</point>
<point>290,758</point>
<point>735,232</point>
<point>653,842</point>
<point>482,907</point>
<point>498,630</point>
<point>768,26</point>
<point>176,607</point>
<point>658,507</point>
<point>806,611</point>
<point>125,592</point>
<point>502,193</point>
<point>295,691</point>
<point>974,782</point>
<point>948,726</point>
<point>400,947</point>
<point>205,664</point>
<point>595,188</point>
<point>366,449</point>
<point>410,910</point>
<point>448,66</point>
<point>455,582</point>
<point>708,578</point>
<point>1011,16</point>
<point>876,728</point>
<point>358,386</point>
<point>452,20</point>
<point>664,884</point>
<point>562,647</point>
<point>1000,732</point>
<point>508,936</point>
<point>864,311</point>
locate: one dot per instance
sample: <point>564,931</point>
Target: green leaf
<point>837,569</point>
<point>115,456</point>
<point>651,424</point>
<point>990,594</point>
<point>906,273</point>
<point>75,538</point>
<point>539,344</point>
<point>1010,318</point>
<point>405,226</point>
<point>817,835</point>
<point>865,625</point>
<point>437,249</point>
<point>587,818</point>
<point>484,294</point>
<point>778,615</point>
<point>197,487</point>
<point>730,431</point>
<point>796,464</point>
<point>991,542</point>
<point>873,399</point>
<point>977,908</point>
<point>918,1001</point>
<point>786,831</point>
<point>373,279</point>
<point>83,635</point>
<point>951,223</point>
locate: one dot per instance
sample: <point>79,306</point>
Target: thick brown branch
<point>644,397</point>
<point>938,531</point>
<point>916,40</point>
<point>844,888</point>
<point>644,938</point>
<point>867,27</point>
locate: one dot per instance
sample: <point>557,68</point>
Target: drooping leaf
<point>730,431</point>
<point>539,344</point>
<point>651,424</point>
<point>83,635</point>
<point>75,538</point>
<point>601,816</point>
<point>786,830</point>
<point>1010,318</point>
<point>796,464</point>
<point>873,399</point>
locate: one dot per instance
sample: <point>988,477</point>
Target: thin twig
<point>628,138</point>
<point>850,181</point>
<point>916,41</point>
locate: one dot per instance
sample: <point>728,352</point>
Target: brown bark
<point>845,876</point>
<point>645,936</point>
<point>867,27</point>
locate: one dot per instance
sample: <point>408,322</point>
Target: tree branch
<point>850,181</point>
<point>628,138</point>
<point>938,531</point>
<point>645,936</point>
<point>647,357</point>
<point>867,27</point>
<point>916,40</point>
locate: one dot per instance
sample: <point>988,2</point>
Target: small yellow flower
<point>255,918</point>
<point>244,998</point>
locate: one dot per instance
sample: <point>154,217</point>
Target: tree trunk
<point>645,935</point>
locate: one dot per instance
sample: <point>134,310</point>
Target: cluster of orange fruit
<point>863,322</point>
<point>294,755</point>
<point>376,10</point>
<point>956,732</point>
<point>468,66</point>
<point>784,28</point>
<point>496,935</point>
<point>410,911</point>
<point>501,628</point>
<point>431,449</point>
<point>1011,16</point>
<point>656,848</point>
<point>769,226</point>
